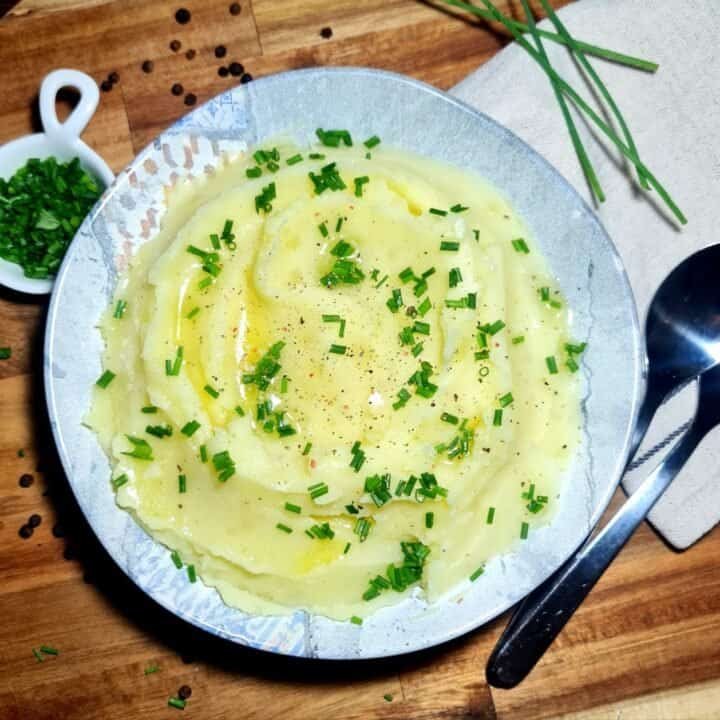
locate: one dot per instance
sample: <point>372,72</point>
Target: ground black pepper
<point>236,69</point>
<point>223,71</point>
<point>25,532</point>
<point>148,66</point>
<point>58,530</point>
<point>220,51</point>
<point>246,78</point>
<point>190,99</point>
<point>26,480</point>
<point>175,45</point>
<point>183,16</point>
<point>235,9</point>
<point>106,86</point>
<point>326,33</point>
<point>177,89</point>
<point>184,692</point>
<point>190,54</point>
<point>34,520</point>
<point>114,78</point>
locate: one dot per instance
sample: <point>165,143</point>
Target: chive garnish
<point>417,349</point>
<point>205,282</point>
<point>172,367</point>
<point>37,655</point>
<point>359,183</point>
<point>575,349</point>
<point>551,364</point>
<point>429,519</point>
<point>518,340</point>
<point>355,620</point>
<point>477,573</point>
<point>182,483</point>
<point>307,448</point>
<point>506,400</point>
<point>449,245</point>
<point>435,211</point>
<point>334,138</point>
<point>381,282</point>
<point>454,277</point>
<point>159,431</point>
<point>492,328</point>
<point>120,308</point>
<point>358,456</point>
<point>284,528</point>
<point>421,328</point>
<point>458,208</point>
<point>572,366</point>
<point>224,465</point>
<point>193,313</point>
<point>175,557</point>
<point>362,527</point>
<point>338,349</point>
<point>402,397</point>
<point>293,508</point>
<point>5,353</point>
<point>266,369</point>
<point>192,575</point>
<point>316,156</point>
<point>178,703</point>
<point>519,245</point>
<point>211,391</point>
<point>497,417</point>
<point>263,201</point>
<point>295,159</point>
<point>253,172</point>
<point>49,650</point>
<point>318,490</point>
<point>339,224</point>
<point>119,481</point>
<point>490,516</point>
<point>150,669</point>
<point>328,179</point>
<point>395,302</point>
<point>105,379</point>
<point>203,453</point>
<point>372,142</point>
<point>141,449</point>
<point>322,227</point>
<point>524,529</point>
<point>190,428</point>
<point>448,418</point>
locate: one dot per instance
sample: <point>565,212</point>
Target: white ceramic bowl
<point>61,140</point>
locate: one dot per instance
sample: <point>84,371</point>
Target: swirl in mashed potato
<point>327,396</point>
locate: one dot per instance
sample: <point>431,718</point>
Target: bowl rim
<point>637,351</point>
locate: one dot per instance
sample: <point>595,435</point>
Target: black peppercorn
<point>26,480</point>
<point>220,51</point>
<point>183,16</point>
<point>175,45</point>
<point>177,89</point>
<point>235,8</point>
<point>148,66</point>
<point>246,78</point>
<point>326,33</point>
<point>106,86</point>
<point>236,69</point>
<point>184,692</point>
<point>223,71</point>
<point>114,78</point>
<point>190,99</point>
<point>34,520</point>
<point>190,54</point>
<point>25,532</point>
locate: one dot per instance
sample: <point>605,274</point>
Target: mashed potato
<point>338,380</point>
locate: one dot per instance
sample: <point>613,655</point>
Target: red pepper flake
<point>313,464</point>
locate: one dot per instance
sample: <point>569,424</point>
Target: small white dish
<point>61,140</point>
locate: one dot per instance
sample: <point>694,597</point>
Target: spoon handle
<point>524,642</point>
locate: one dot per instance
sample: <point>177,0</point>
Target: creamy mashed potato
<point>326,397</point>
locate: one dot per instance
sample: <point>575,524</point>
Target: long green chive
<point>293,508</point>
<point>294,160</point>
<point>178,703</point>
<point>490,516</point>
<point>372,142</point>
<point>307,448</point>
<point>519,245</point>
<point>518,340</point>
<point>120,308</point>
<point>190,428</point>
<point>177,560</point>
<point>338,349</point>
<point>458,208</point>
<point>119,481</point>
<point>284,528</point>
<point>493,328</point>
<point>203,453</point>
<point>497,417</point>
<point>448,418</point>
<point>172,367</point>
<point>449,245</point>
<point>435,211</point>
<point>182,483</point>
<point>524,529</point>
<point>318,490</point>
<point>211,391</point>
<point>429,519</point>
<point>359,183</point>
<point>192,575</point>
<point>506,400</point>
<point>105,379</point>
<point>551,364</point>
<point>477,573</point>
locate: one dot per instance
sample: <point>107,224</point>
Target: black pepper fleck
<point>326,33</point>
<point>235,9</point>
<point>106,86</point>
<point>148,66</point>
<point>220,51</point>
<point>246,78</point>
<point>190,99</point>
<point>223,71</point>
<point>58,530</point>
<point>114,78</point>
<point>177,89</point>
<point>26,480</point>
<point>34,520</point>
<point>175,45</point>
<point>25,532</point>
<point>190,54</point>
<point>184,692</point>
<point>183,16</point>
<point>236,69</point>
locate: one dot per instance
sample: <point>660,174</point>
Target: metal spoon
<point>683,341</point>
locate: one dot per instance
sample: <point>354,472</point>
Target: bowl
<point>412,116</point>
<point>60,140</point>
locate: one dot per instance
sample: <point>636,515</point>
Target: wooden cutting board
<point>645,645</point>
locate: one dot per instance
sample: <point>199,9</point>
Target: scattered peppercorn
<point>183,16</point>
<point>190,54</point>
<point>235,9</point>
<point>326,32</point>
<point>25,532</point>
<point>175,45</point>
<point>26,480</point>
<point>184,692</point>
<point>34,520</point>
<point>190,99</point>
<point>58,530</point>
<point>246,78</point>
<point>177,89</point>
<point>223,71</point>
<point>220,51</point>
<point>148,66</point>
<point>236,69</point>
<point>106,86</point>
<point>114,78</point>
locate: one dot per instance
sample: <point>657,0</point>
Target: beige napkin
<point>674,116</point>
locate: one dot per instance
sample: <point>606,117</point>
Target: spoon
<point>683,341</point>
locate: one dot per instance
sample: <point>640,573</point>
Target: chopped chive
<point>524,529</point>
<point>454,277</point>
<point>402,397</point>
<point>352,509</point>
<point>476,233</point>
<point>395,302</point>
<point>105,379</point>
<point>190,428</point>
<point>458,208</point>
<point>148,409</point>
<point>339,224</point>
<point>372,142</point>
<point>490,516</point>
<point>119,481</point>
<point>424,307</point>
<point>211,391</point>
<point>406,275</point>
<point>429,272</point>
<point>477,573</point>
<point>429,519</point>
<point>193,250</point>
<point>215,241</point>
<point>318,490</point>
<point>316,156</point>
<point>263,201</point>
<point>338,349</point>
<point>178,703</point>
<point>203,453</point>
<point>575,349</point>
<point>359,183</point>
<point>284,528</point>
<point>544,294</point>
<point>37,655</point>
<point>448,418</point>
<point>193,313</point>
<point>293,508</point>
<point>355,620</point>
<point>497,417</point>
<point>334,138</point>
<point>284,384</point>
<point>150,669</point>
<point>506,400</point>
<point>551,364</point>
<point>417,349</point>
<point>435,211</point>
<point>172,367</point>
<point>520,246</point>
<point>192,575</point>
<point>253,172</point>
<point>49,650</point>
<point>307,448</point>
<point>182,483</point>
<point>294,160</point>
<point>239,411</point>
<point>205,282</point>
<point>572,366</point>
<point>159,431</point>
<point>5,353</point>
<point>141,449</point>
<point>493,328</point>
<point>177,560</point>
<point>120,308</point>
<point>381,282</point>
<point>322,227</point>
<point>518,340</point>
<point>422,328</point>
<point>449,245</point>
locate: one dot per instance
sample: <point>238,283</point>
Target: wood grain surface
<point>646,645</point>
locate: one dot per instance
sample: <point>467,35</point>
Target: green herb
<point>575,349</point>
<point>239,411</point>
<point>190,428</point>
<point>402,397</point>
<point>284,528</point>
<point>338,349</point>
<point>322,227</point>
<point>211,391</point>
<point>492,328</point>
<point>294,160</point>
<point>172,367</point>
<point>334,138</point>
<point>388,697</point>
<point>355,620</point>
<point>203,453</point>
<point>339,224</point>
<point>429,519</point>
<point>359,183</point>
<point>328,179</point>
<point>41,208</point>
<point>119,481</point>
<point>362,527</point>
<point>449,245</point>
<point>307,448</point>
<point>454,277</point>
<point>477,573</point>
<point>105,379</point>
<point>524,529</point>
<point>37,655</point>
<point>448,418</point>
<point>490,516</point>
<point>159,431</point>
<point>395,302</point>
<point>469,302</point>
<point>205,282</point>
<point>141,449</point>
<point>192,575</point>
<point>321,532</point>
<point>421,328</point>
<point>5,353</point>
<point>120,308</point>
<point>372,142</point>
<point>316,156</point>
<point>182,483</point>
<point>318,490</point>
<point>519,245</point>
<point>336,319</point>
<point>150,669</point>
<point>551,364</point>
<point>224,465</point>
<point>193,313</point>
<point>518,340</point>
<point>421,380</point>
<point>572,366</point>
<point>435,211</point>
<point>358,456</point>
<point>263,201</point>
<point>293,508</point>
<point>497,417</point>
<point>424,307</point>
<point>399,578</point>
<point>352,509</point>
<point>178,703</point>
<point>175,557</point>
<point>506,400</point>
<point>266,369</point>
<point>343,271</point>
<point>458,208</point>
<point>253,172</point>
<point>460,445</point>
